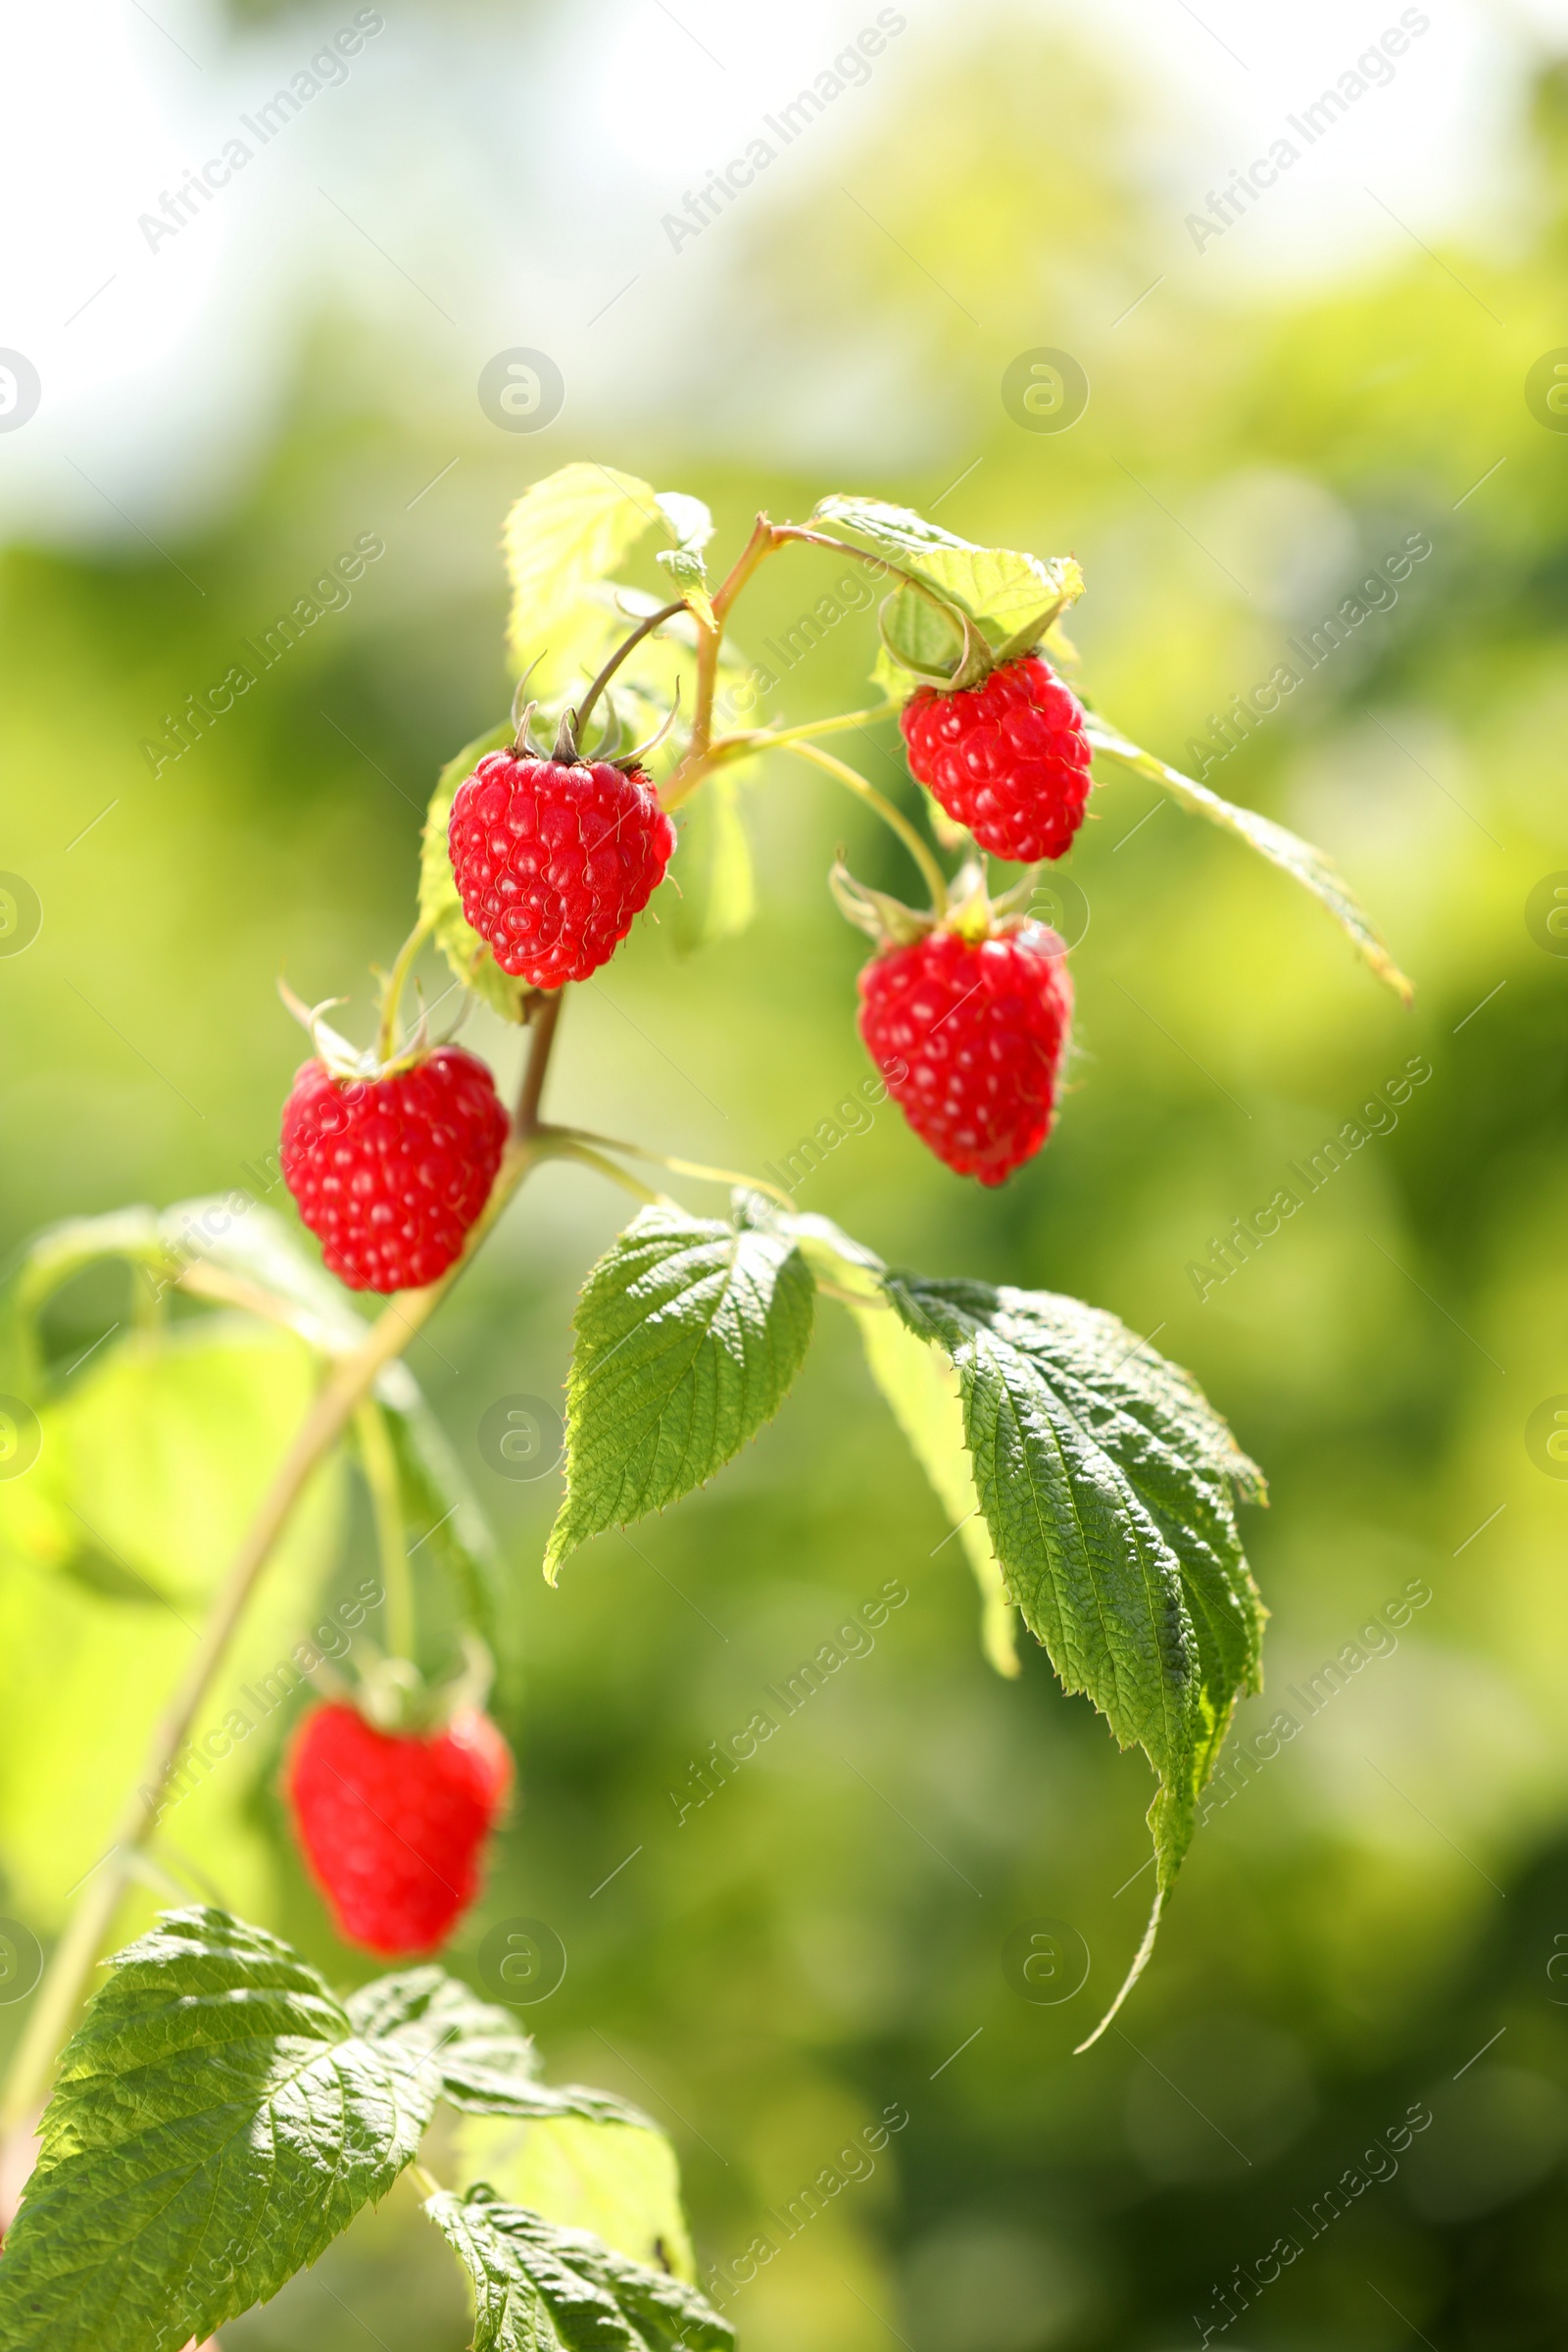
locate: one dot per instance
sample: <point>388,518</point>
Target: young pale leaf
<point>439,903</point>
<point>216,2123</point>
<point>691,526</point>
<point>1013,598</point>
<point>1298,858</point>
<point>236,1238</point>
<point>541,2288</point>
<point>486,2063</point>
<point>718,888</point>
<point>620,2180</point>
<point>440,1509</point>
<point>1109,1485</point>
<point>922,1390</point>
<point>564,534</point>
<point>688,1334</point>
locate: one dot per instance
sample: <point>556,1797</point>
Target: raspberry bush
<point>213,2114</point>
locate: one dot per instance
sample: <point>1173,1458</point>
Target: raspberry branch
<point>347,1385</point>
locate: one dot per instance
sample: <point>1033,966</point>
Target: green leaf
<point>1013,598</point>
<point>440,1510</point>
<point>689,1331</point>
<point>236,1236</point>
<point>691,525</point>
<point>1298,858</point>
<point>718,884</point>
<point>439,903</point>
<point>540,2289</point>
<point>153,1460</point>
<point>620,2179</point>
<point>486,2063</point>
<point>160,1448</point>
<point>1108,1485</point>
<point>917,636</point>
<point>921,1387</point>
<point>564,534</point>
<point>216,2123</point>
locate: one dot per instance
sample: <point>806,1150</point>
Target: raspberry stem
<point>380,1469</point>
<point>644,629</point>
<point>396,979</point>
<point>677,1167</point>
<point>347,1383</point>
<point>587,1157</point>
<point>766,739</point>
<point>932,874</point>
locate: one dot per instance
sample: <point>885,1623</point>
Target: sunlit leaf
<point>1109,1487</point>
<point>564,534</point>
<point>620,2179</point>
<point>1297,857</point>
<point>540,2289</point>
<point>1013,597</point>
<point>717,879</point>
<point>692,526</point>
<point>216,2123</point>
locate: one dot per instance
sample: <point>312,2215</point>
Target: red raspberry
<point>553,861</point>
<point>392,1823</point>
<point>978,1030</point>
<point>389,1174</point>
<point>1008,759</point>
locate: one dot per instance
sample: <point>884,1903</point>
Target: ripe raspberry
<point>389,1174</point>
<point>1008,759</point>
<point>553,861</point>
<point>392,1823</point>
<point>978,1030</point>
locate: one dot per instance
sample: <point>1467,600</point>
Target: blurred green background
<point>1389,1896</point>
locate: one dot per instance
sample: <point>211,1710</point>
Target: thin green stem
<point>920,851</point>
<point>644,629</point>
<point>783,531</point>
<point>386,1036</point>
<point>589,1159</point>
<point>778,739</point>
<point>677,1167</point>
<point>379,1464</point>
